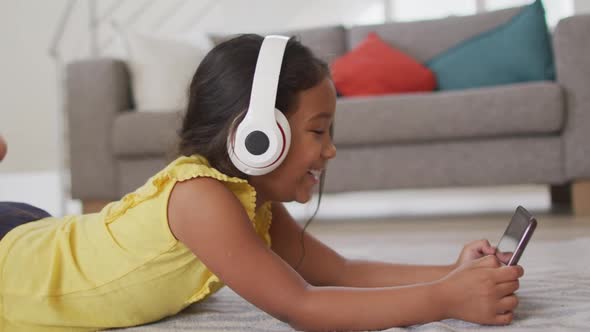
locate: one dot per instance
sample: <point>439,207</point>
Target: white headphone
<point>261,141</point>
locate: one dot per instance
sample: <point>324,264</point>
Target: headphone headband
<point>266,78</point>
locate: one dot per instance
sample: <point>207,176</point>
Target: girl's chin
<point>303,200</point>
<point>304,196</point>
<point>303,193</point>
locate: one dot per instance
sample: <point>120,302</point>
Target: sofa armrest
<point>572,59</point>
<point>96,90</point>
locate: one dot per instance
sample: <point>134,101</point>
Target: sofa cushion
<point>517,51</point>
<point>141,134</point>
<point>326,43</point>
<point>160,69</point>
<point>376,68</point>
<point>425,39</point>
<point>508,110</point>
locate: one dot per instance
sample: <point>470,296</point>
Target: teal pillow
<point>517,51</point>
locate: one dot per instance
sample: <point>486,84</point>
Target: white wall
<point>27,85</point>
<point>582,6</point>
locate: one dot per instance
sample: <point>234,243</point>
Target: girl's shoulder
<point>195,202</point>
<point>197,171</point>
<point>202,193</point>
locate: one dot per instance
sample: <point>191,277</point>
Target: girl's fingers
<point>506,288</point>
<point>490,250</point>
<point>480,243</point>
<point>483,246</point>
<point>504,318</point>
<point>489,261</point>
<point>506,304</point>
<point>508,273</point>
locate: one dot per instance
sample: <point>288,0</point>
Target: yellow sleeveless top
<point>119,267</point>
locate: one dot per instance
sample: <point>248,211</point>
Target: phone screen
<point>512,236</point>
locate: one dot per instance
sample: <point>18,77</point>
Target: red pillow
<point>375,68</point>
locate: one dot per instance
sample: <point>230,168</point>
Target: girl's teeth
<point>316,174</point>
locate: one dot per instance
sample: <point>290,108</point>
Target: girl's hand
<point>481,291</point>
<point>3,148</point>
<point>474,250</point>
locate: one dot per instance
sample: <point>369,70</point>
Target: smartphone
<point>515,238</point>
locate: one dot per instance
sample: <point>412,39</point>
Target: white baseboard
<point>42,189</point>
<point>426,202</point>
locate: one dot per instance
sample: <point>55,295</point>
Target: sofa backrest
<point>326,43</point>
<point>425,39</point>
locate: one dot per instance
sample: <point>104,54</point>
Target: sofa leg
<point>92,206</point>
<point>581,197</point>
<point>561,195</point>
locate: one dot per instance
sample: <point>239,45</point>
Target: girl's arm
<point>363,273</point>
<point>322,266</point>
<point>209,219</point>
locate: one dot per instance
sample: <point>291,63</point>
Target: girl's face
<point>311,148</point>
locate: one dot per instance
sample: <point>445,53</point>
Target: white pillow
<point>161,71</point>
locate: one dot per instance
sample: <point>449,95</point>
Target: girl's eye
<point>319,132</point>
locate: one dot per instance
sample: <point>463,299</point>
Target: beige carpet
<point>554,294</point>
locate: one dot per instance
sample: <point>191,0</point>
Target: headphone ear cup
<point>241,158</point>
<point>285,128</point>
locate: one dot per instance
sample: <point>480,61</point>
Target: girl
<point>200,223</point>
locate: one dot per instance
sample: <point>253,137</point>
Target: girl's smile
<point>311,148</point>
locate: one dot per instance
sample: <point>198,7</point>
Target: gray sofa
<point>529,133</point>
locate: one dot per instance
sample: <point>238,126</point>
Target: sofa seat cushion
<point>508,110</point>
<point>141,134</point>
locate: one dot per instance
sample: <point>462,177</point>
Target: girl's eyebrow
<point>321,115</point>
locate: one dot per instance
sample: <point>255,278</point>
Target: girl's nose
<point>330,151</point>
